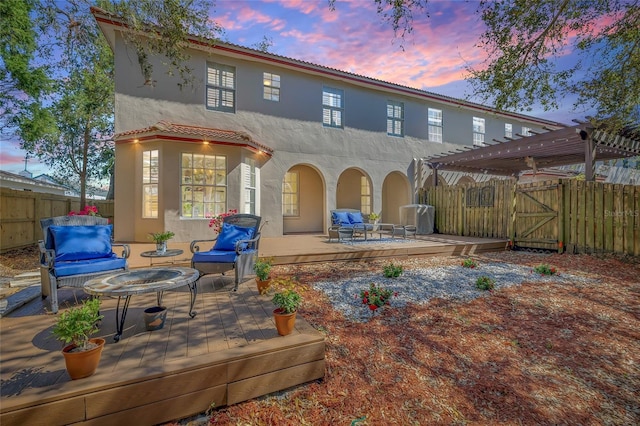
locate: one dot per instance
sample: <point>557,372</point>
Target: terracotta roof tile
<point>164,128</point>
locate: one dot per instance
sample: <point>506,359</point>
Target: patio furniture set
<point>77,251</point>
<point>349,225</point>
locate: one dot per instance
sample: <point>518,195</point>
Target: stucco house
<point>275,136</point>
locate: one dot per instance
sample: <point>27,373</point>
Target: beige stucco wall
<point>292,127</point>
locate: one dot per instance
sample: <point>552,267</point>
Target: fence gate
<point>537,210</point>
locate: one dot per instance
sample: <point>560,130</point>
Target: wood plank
<point>598,213</point>
<point>636,221</point>
<point>581,213</point>
<point>267,383</point>
<point>50,414</point>
<point>160,389</point>
<point>618,218</point>
<point>278,359</point>
<point>167,409</point>
<point>628,219</point>
<point>608,217</point>
<point>589,219</point>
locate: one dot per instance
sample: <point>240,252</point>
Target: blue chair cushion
<point>214,256</point>
<point>340,218</point>
<point>230,234</point>
<point>355,217</point>
<point>81,242</point>
<point>89,266</point>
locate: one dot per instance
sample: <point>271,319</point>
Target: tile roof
<point>190,133</point>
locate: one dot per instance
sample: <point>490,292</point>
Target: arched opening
<point>465,180</point>
<point>302,209</point>
<point>396,192</point>
<point>354,191</point>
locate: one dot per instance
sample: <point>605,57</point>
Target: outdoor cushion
<point>215,256</point>
<point>230,235</point>
<point>355,217</point>
<point>81,242</point>
<point>88,266</point>
<point>340,218</point>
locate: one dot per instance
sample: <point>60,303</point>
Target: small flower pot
<point>81,364</point>
<point>263,286</point>
<point>154,318</point>
<point>285,323</point>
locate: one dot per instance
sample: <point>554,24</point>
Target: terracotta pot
<point>263,285</point>
<point>284,322</point>
<point>83,364</point>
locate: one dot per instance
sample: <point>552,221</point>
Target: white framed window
<point>478,131</point>
<point>526,131</point>
<point>271,84</point>
<point>395,118</point>
<point>365,195</point>
<point>291,194</point>
<point>203,186</point>
<point>249,177</point>
<point>332,107</point>
<point>435,125</point>
<point>150,178</point>
<point>508,130</point>
<point>221,87</point>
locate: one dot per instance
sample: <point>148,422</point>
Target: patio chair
<point>74,250</point>
<point>236,247</point>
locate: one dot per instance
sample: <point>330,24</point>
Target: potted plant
<point>161,239</point>
<point>287,300</point>
<point>373,217</point>
<point>262,268</point>
<point>75,327</point>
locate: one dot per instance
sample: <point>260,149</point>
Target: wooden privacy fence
<point>565,214</point>
<point>21,211</point>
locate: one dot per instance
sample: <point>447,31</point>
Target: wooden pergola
<point>569,145</point>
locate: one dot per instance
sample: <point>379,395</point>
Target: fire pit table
<point>139,281</point>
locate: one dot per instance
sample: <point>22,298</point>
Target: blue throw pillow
<point>230,235</point>
<point>81,242</point>
<point>356,218</point>
<point>340,218</point>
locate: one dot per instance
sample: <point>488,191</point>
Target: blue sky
<point>353,38</point>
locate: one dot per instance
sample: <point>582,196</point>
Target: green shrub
<point>392,271</point>
<point>544,269</point>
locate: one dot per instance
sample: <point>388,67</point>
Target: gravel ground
<point>423,284</point>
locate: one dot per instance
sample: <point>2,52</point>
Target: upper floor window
<point>203,185</point>
<point>395,118</point>
<point>526,131</point>
<point>332,107</point>
<point>150,178</point>
<point>271,84</point>
<point>508,130</point>
<point>290,194</point>
<point>435,125</point>
<point>478,131</point>
<point>221,87</point>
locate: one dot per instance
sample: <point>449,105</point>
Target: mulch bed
<point>536,353</point>
<point>528,355</point>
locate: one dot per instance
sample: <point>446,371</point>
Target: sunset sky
<point>353,38</point>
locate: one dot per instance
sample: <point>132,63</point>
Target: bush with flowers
<point>87,211</point>
<point>376,297</point>
<point>216,221</point>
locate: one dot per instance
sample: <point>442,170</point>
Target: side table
<point>152,254</point>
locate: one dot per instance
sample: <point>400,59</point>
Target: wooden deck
<point>229,353</point>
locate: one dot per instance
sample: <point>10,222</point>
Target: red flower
<point>373,307</point>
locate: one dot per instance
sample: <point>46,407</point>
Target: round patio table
<point>139,281</point>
